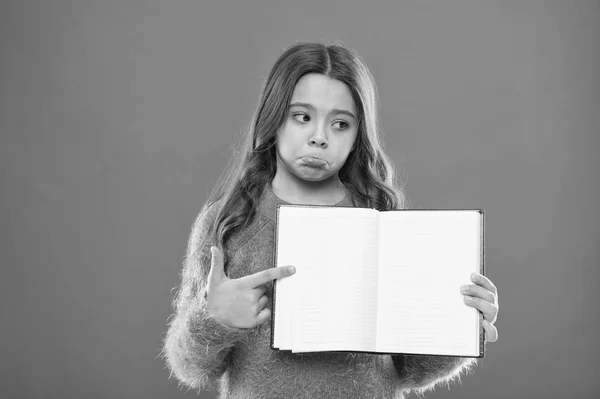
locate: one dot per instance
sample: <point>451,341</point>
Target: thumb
<point>217,273</point>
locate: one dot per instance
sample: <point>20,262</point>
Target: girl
<point>314,140</point>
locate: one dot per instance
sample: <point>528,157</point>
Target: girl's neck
<point>329,192</point>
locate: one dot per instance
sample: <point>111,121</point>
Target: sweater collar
<point>269,202</point>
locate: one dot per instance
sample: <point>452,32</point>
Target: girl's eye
<point>344,125</point>
<point>304,118</point>
<point>295,116</point>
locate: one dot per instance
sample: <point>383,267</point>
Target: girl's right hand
<point>241,302</point>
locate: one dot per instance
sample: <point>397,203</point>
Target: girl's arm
<point>196,345</point>
<point>421,373</point>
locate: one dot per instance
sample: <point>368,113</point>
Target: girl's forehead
<point>323,92</point>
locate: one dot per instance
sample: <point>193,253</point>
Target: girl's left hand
<point>484,297</point>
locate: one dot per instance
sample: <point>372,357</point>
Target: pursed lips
<point>312,160</point>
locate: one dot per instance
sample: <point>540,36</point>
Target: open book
<point>379,282</point>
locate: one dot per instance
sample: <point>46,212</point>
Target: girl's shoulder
<point>203,225</point>
<point>207,215</point>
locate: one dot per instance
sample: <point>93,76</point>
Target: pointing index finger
<point>265,276</point>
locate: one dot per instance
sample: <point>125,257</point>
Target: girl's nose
<point>318,142</point>
<point>318,138</point>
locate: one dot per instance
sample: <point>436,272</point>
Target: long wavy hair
<point>368,174</point>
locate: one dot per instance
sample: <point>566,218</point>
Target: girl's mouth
<point>314,162</point>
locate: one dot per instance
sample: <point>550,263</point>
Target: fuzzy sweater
<point>203,353</point>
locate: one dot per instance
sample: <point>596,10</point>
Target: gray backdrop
<point>117,117</point>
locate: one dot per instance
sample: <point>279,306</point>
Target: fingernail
<point>292,269</point>
<point>464,289</point>
<point>468,298</point>
<point>474,276</point>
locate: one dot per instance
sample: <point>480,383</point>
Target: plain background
<point>117,117</point>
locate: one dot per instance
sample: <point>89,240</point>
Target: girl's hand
<point>484,297</point>
<point>241,302</point>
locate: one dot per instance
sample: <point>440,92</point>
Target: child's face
<point>319,131</point>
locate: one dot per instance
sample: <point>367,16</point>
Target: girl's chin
<point>314,177</point>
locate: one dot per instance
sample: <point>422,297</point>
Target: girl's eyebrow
<point>333,111</point>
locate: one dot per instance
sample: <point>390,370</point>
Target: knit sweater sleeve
<point>196,345</point>
<point>421,373</point>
